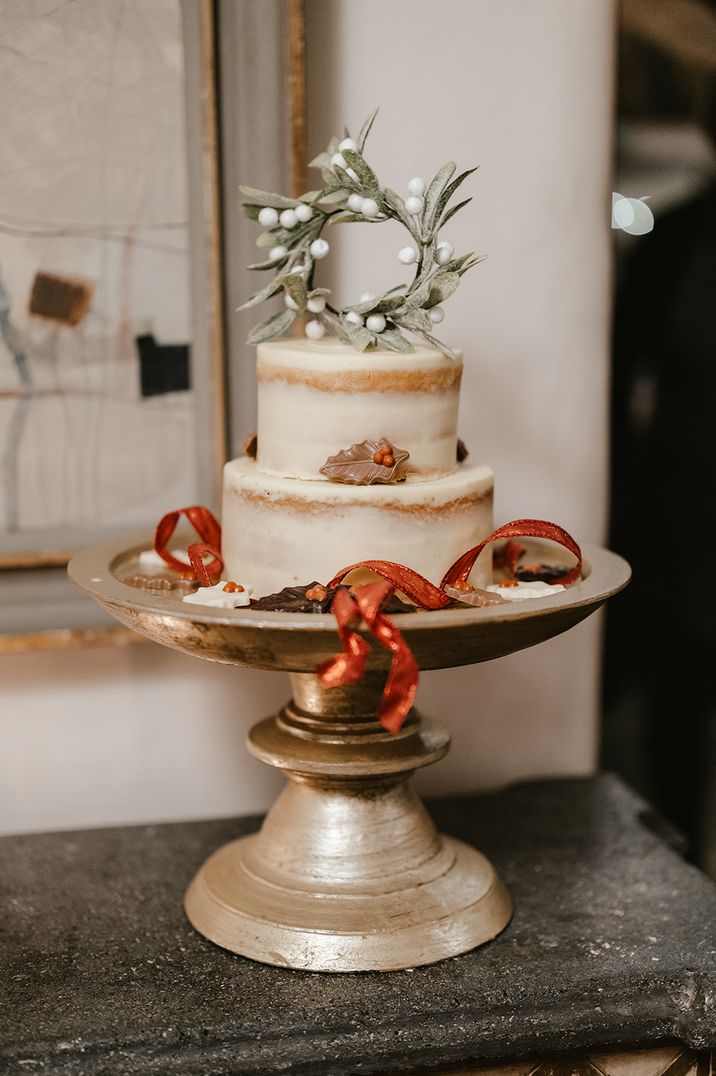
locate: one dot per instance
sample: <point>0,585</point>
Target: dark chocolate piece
<point>295,600</point>
<point>251,445</point>
<point>462,452</point>
<point>540,573</point>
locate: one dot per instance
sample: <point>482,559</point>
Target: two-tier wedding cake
<point>284,523</point>
<point>357,448</point>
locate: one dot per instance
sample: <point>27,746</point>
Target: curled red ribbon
<point>519,528</point>
<point>365,603</point>
<point>207,527</point>
<point>347,667</point>
<point>509,556</point>
<point>415,586</point>
<point>427,596</point>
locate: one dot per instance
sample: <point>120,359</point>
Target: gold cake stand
<point>348,872</point>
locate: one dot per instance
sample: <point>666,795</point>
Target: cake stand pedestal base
<point>348,872</point>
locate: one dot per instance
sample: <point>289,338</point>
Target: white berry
<point>288,218</point>
<point>354,317</point>
<point>444,253</point>
<point>416,186</point>
<point>369,207</point>
<point>315,330</point>
<point>290,303</point>
<point>353,174</point>
<point>338,160</point>
<point>303,212</point>
<point>407,255</point>
<point>414,204</point>
<point>316,304</point>
<point>436,314</point>
<point>367,296</point>
<point>348,143</point>
<point>297,270</point>
<point>355,202</point>
<point>376,323</point>
<point>268,216</point>
<point>319,248</point>
<point>277,252</point>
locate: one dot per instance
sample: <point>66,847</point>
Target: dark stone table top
<point>613,942</point>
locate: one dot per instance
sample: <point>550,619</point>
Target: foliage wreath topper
<point>353,193</point>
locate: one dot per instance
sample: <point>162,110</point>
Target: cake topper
<point>352,192</point>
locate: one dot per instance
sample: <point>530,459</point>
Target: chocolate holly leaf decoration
<point>311,598</point>
<point>315,598</point>
<point>366,463</point>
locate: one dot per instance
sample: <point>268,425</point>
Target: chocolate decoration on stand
<point>315,598</point>
<point>469,595</point>
<point>541,573</point>
<point>160,583</point>
<point>365,463</point>
<point>462,451</point>
<point>251,446</point>
<point>296,600</point>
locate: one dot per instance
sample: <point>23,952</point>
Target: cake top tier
<point>330,353</point>
<point>318,399</point>
<point>295,243</point>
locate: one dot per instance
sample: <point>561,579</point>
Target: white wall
<point>524,89</point>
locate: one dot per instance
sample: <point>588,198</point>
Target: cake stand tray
<point>348,872</point>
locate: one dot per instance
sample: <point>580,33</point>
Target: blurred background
<point>659,729</point>
<point>125,380</point>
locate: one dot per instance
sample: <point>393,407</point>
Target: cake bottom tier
<point>280,532</point>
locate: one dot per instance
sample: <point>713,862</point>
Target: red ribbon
<point>207,527</point>
<point>427,596</point>
<point>519,528</point>
<point>509,556</point>
<point>415,586</point>
<point>365,603</point>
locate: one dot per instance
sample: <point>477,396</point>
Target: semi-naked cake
<point>357,422</point>
<point>286,524</point>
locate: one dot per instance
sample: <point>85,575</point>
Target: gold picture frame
<point>39,608</point>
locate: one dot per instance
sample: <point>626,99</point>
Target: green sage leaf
<point>365,129</point>
<point>250,210</point>
<point>415,320</point>
<point>393,338</point>
<point>261,296</point>
<point>366,176</point>
<point>271,327</point>
<point>447,351</point>
<point>323,160</point>
<point>337,325</point>
<point>271,264</point>
<point>433,194</point>
<point>267,240</point>
<point>451,213</point>
<point>357,334</point>
<point>397,204</point>
<point>277,201</point>
<point>442,286</point>
<point>451,188</point>
<point>295,286</point>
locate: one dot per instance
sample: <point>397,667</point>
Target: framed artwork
<point>118,200</point>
